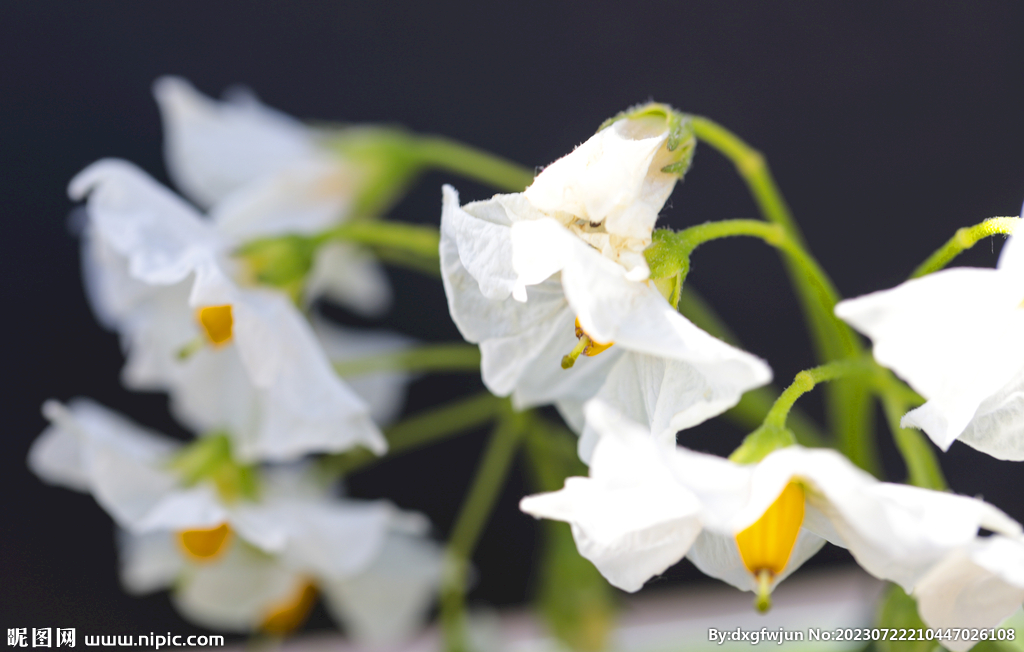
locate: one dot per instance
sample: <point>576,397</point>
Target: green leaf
<point>898,610</point>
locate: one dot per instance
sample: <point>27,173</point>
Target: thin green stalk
<point>424,428</point>
<point>850,413</point>
<point>426,358</point>
<point>773,432</point>
<point>473,515</point>
<point>416,239</point>
<point>964,239</point>
<point>807,380</point>
<point>472,163</point>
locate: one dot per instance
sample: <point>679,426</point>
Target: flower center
<point>289,614</point>
<point>586,346</point>
<point>205,545</point>
<point>765,546</point>
<point>217,323</point>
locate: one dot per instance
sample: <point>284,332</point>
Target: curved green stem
<point>964,239</point>
<point>849,406</point>
<point>426,358</point>
<point>424,428</point>
<point>473,515</point>
<point>472,163</point>
<point>773,433</point>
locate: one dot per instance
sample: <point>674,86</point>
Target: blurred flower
<point>954,336</point>
<point>978,586</point>
<point>646,505</point>
<point>261,174</point>
<point>237,359</point>
<point>244,552</point>
<point>559,269</point>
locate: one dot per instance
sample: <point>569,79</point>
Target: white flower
<point>232,358</point>
<point>559,269</point>
<point>261,173</point>
<point>978,586</point>
<point>238,561</point>
<point>954,336</point>
<point>646,505</point>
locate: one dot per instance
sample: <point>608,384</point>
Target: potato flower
<point>541,277</point>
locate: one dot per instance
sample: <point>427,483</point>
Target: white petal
<point>213,148</point>
<point>384,392</point>
<point>305,406</point>
<point>148,562</point>
<point>112,291</point>
<point>997,427</point>
<point>388,601</point>
<point>717,555</point>
<point>630,517</point>
<point>479,235</point>
<point>978,586</point>
<point>951,335</point>
<point>610,179</point>
<point>1011,258</point>
<point>896,532</point>
<point>160,235</point>
<point>668,395</point>
<point>330,539</point>
<point>350,276</point>
<point>124,467</point>
<point>236,593</point>
<point>306,198</point>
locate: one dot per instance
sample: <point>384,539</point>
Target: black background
<point>887,125</point>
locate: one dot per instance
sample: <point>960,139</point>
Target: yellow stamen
<point>766,545</point>
<point>217,323</point>
<point>586,346</point>
<point>288,615</point>
<point>205,545</point>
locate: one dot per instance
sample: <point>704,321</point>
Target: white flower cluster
<point>244,535</point>
<point>529,274</point>
<point>554,285</point>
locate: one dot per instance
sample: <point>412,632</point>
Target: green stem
<point>923,469</point>
<point>473,515</point>
<point>807,380</point>
<point>964,239</point>
<point>849,410</point>
<point>423,359</point>
<point>414,239</point>
<point>424,428</point>
<point>472,163</point>
<point>773,432</point>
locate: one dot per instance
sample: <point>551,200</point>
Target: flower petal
<point>389,600</point>
<point>213,148</point>
<point>350,276</point>
<point>952,335</point>
<point>148,562</point>
<point>630,517</point>
<point>977,586</point>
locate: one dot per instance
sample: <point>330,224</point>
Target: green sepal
<point>681,139</point>
<point>758,444</point>
<point>209,458</point>
<point>663,257</point>
<point>282,262</point>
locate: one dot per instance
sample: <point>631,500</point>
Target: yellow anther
<point>288,615</point>
<point>217,323</point>
<point>766,545</point>
<point>205,545</point>
<point>586,346</point>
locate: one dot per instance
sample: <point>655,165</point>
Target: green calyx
<point>681,142</point>
<point>282,262</point>
<point>209,459</point>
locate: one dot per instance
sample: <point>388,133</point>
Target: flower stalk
<point>965,238</point>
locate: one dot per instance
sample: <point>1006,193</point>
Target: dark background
<point>887,125</point>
